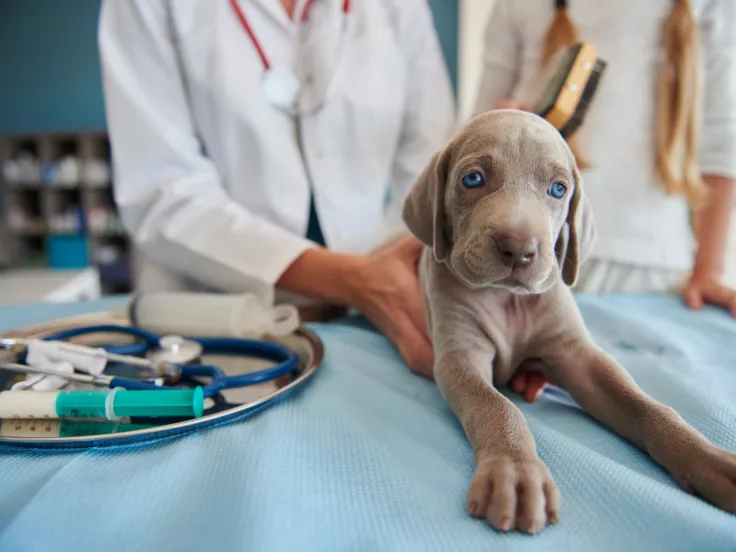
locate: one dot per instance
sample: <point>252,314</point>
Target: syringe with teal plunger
<point>109,404</point>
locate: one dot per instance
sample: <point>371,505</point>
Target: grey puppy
<point>506,223</point>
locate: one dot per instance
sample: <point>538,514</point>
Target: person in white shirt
<point>659,140</point>
<point>272,142</point>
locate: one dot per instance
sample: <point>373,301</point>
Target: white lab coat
<point>209,178</point>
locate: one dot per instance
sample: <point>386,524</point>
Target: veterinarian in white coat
<point>214,178</point>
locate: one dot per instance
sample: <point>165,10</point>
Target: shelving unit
<point>57,207</point>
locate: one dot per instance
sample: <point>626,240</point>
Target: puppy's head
<point>503,205</point>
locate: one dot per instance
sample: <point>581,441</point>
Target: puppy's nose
<point>517,250</point>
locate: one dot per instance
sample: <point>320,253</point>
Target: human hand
<point>529,383</point>
<point>508,103</point>
<point>705,288</point>
<point>384,286</point>
<point>387,291</point>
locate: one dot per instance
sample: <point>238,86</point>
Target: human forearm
<point>323,274</point>
<point>712,224</point>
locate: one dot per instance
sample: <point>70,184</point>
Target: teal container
<point>68,252</point>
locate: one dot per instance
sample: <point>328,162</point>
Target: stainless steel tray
<point>232,405</point>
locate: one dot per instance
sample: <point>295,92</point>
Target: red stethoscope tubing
<point>254,39</point>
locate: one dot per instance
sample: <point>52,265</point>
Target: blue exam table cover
<point>368,457</point>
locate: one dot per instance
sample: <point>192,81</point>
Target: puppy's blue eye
<point>473,180</point>
<point>557,190</point>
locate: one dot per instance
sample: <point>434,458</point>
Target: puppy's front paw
<point>712,476</point>
<point>513,493</point>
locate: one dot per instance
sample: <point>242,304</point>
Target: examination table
<point>367,457</point>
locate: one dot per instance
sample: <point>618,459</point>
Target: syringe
<point>45,428</point>
<point>110,404</point>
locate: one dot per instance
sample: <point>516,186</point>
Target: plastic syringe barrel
<point>173,403</point>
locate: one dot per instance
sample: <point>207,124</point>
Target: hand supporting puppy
<point>386,290</point>
<point>384,286</point>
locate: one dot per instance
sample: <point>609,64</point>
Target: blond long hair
<point>678,98</point>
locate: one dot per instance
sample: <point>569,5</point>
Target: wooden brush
<point>569,87</point>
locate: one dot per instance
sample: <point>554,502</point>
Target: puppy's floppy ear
<point>578,234</point>
<point>424,208</point>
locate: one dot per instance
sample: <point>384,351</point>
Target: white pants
<point>601,276</point>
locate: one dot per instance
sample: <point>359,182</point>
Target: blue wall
<point>447,21</point>
<point>49,69</point>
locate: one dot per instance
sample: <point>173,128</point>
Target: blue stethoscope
<point>183,351</point>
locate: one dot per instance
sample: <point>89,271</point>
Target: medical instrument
<point>569,87</point>
<point>48,428</point>
<point>245,315</point>
<point>103,404</point>
<point>93,359</point>
<point>287,361</point>
<point>280,85</point>
<point>100,381</point>
<point>230,405</point>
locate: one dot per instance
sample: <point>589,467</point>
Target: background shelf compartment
<point>57,207</point>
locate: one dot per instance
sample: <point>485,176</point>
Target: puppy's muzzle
<point>517,249</point>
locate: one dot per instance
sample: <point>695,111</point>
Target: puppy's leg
<point>512,487</point>
<point>608,393</point>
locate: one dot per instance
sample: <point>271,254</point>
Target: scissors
<point>171,356</point>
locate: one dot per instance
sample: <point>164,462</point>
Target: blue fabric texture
<point>369,457</point>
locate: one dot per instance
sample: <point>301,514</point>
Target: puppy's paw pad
<point>513,493</point>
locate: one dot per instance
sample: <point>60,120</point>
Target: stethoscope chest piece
<point>280,88</point>
<point>177,350</point>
